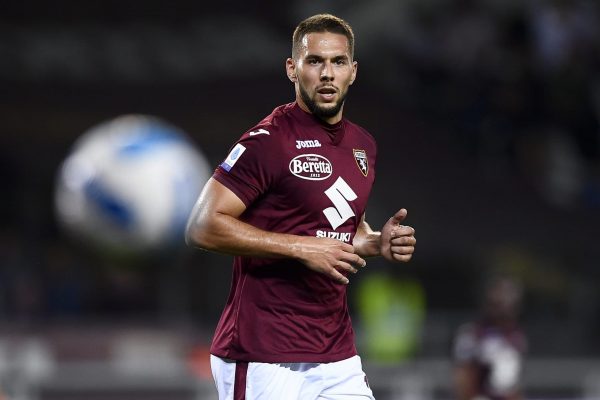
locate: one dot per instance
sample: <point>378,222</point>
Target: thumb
<point>399,216</point>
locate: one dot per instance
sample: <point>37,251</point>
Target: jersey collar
<point>335,132</point>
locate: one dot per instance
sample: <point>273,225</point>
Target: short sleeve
<point>251,165</point>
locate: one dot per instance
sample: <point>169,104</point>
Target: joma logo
<point>303,144</point>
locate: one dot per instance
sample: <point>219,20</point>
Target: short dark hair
<point>322,23</point>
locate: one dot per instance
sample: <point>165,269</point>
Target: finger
<point>402,257</point>
<point>345,267</point>
<point>338,277</point>
<point>403,230</point>
<point>399,216</point>
<point>348,248</point>
<point>402,249</point>
<point>355,260</point>
<point>403,241</point>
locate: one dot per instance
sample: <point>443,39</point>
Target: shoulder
<point>268,133</point>
<point>271,128</point>
<point>279,118</point>
<point>361,133</point>
<point>465,341</point>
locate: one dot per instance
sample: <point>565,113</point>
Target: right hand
<point>330,257</point>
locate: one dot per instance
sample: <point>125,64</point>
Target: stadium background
<point>486,114</point>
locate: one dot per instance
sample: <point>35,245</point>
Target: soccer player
<point>289,203</point>
<point>489,352</point>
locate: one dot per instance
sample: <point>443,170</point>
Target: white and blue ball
<point>129,184</point>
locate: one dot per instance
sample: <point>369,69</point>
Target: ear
<point>354,71</point>
<point>290,69</point>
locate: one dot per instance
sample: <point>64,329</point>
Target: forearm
<point>465,382</point>
<point>226,234</point>
<point>367,242</point>
<point>215,225</point>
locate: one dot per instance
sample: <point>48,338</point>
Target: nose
<point>327,72</point>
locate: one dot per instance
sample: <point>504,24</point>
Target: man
<point>289,202</point>
<point>489,352</point>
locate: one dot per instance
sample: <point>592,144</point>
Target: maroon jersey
<point>296,175</point>
<point>496,353</point>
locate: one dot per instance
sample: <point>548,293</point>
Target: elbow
<point>196,235</point>
<point>189,237</point>
<point>203,234</point>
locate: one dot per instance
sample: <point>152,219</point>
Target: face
<point>322,71</point>
<point>503,299</point>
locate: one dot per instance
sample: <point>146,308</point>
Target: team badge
<point>360,156</point>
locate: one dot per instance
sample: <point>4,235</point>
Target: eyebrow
<point>320,58</point>
<point>342,57</point>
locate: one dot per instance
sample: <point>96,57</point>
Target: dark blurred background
<point>487,119</point>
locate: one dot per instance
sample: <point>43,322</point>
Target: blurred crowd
<point>515,84</point>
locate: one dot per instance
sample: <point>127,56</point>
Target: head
<point>322,65</point>
<point>502,298</point>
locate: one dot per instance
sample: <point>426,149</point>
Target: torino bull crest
<point>360,156</point>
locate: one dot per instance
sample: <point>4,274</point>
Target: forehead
<point>324,43</point>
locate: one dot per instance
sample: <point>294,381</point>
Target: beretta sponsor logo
<point>311,166</point>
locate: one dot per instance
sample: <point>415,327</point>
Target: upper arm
<point>214,200</point>
<point>246,171</point>
<point>218,198</point>
<point>465,381</point>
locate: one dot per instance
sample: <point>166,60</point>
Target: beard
<point>319,111</point>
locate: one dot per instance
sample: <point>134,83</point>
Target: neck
<point>330,120</point>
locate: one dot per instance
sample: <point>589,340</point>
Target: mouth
<point>327,93</point>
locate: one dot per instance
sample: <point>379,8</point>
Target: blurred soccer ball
<point>129,185</point>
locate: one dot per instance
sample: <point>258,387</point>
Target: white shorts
<point>339,380</point>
